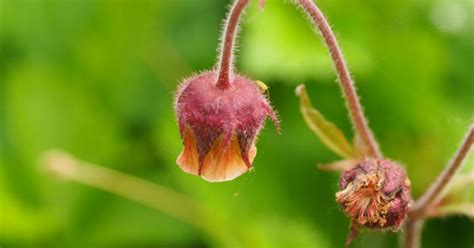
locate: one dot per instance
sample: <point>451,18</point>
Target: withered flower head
<point>219,126</point>
<point>375,194</point>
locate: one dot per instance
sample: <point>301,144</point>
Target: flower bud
<point>219,126</point>
<point>375,194</point>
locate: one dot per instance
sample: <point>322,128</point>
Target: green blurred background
<point>96,78</point>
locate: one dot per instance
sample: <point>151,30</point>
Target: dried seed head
<point>375,194</point>
<point>219,126</point>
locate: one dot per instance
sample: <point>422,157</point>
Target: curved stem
<point>357,114</point>
<point>149,194</point>
<point>437,189</point>
<point>158,197</point>
<point>435,192</point>
<point>228,40</point>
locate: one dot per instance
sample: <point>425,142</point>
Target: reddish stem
<point>413,230</point>
<point>437,188</point>
<point>356,112</point>
<point>227,56</point>
<point>417,212</point>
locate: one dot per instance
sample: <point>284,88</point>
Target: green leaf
<point>331,136</point>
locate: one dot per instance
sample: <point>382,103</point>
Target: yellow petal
<point>188,159</point>
<point>221,163</point>
<point>224,164</point>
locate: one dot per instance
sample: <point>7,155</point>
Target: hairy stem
<point>357,114</point>
<point>149,194</point>
<point>227,46</point>
<point>418,211</point>
<point>437,188</point>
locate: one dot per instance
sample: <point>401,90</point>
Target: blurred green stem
<point>160,198</point>
<point>152,195</point>
<point>355,109</point>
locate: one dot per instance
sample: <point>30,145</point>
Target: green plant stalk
<point>149,194</point>
<point>157,197</point>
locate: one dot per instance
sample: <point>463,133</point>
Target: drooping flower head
<point>219,127</point>
<point>375,194</point>
<point>220,114</point>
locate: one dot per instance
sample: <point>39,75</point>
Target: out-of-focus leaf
<point>462,182</point>
<point>460,188</point>
<point>329,133</point>
<point>465,208</point>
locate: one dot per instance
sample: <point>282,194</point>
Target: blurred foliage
<point>96,78</point>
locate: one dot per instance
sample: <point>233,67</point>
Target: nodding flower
<point>375,194</point>
<point>219,127</point>
<point>220,114</point>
